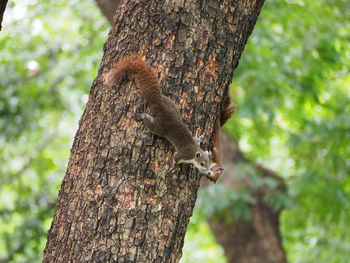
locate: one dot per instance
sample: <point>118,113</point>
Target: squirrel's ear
<point>198,154</point>
<point>198,132</point>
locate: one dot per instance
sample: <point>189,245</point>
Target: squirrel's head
<point>214,172</point>
<point>202,161</point>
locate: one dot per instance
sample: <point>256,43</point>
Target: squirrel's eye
<point>218,170</point>
<point>202,163</point>
<point>198,154</point>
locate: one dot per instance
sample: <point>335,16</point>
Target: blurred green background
<point>293,116</point>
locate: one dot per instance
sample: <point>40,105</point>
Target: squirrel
<point>216,169</point>
<point>167,122</point>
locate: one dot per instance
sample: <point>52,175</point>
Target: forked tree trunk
<point>118,202</point>
<point>249,241</point>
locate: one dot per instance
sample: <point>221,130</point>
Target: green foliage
<point>234,201</point>
<point>49,52</point>
<point>200,244</point>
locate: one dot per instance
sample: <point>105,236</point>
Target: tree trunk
<point>108,8</point>
<point>118,202</point>
<point>243,241</point>
<point>254,241</point>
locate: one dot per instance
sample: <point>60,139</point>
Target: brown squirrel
<point>216,169</point>
<point>167,121</point>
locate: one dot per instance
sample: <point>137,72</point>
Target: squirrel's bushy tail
<point>145,77</point>
<point>227,110</point>
<point>226,113</point>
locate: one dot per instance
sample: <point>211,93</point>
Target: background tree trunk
<point>117,201</point>
<point>248,241</point>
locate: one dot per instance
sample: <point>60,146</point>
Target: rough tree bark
<point>257,240</point>
<point>118,202</point>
